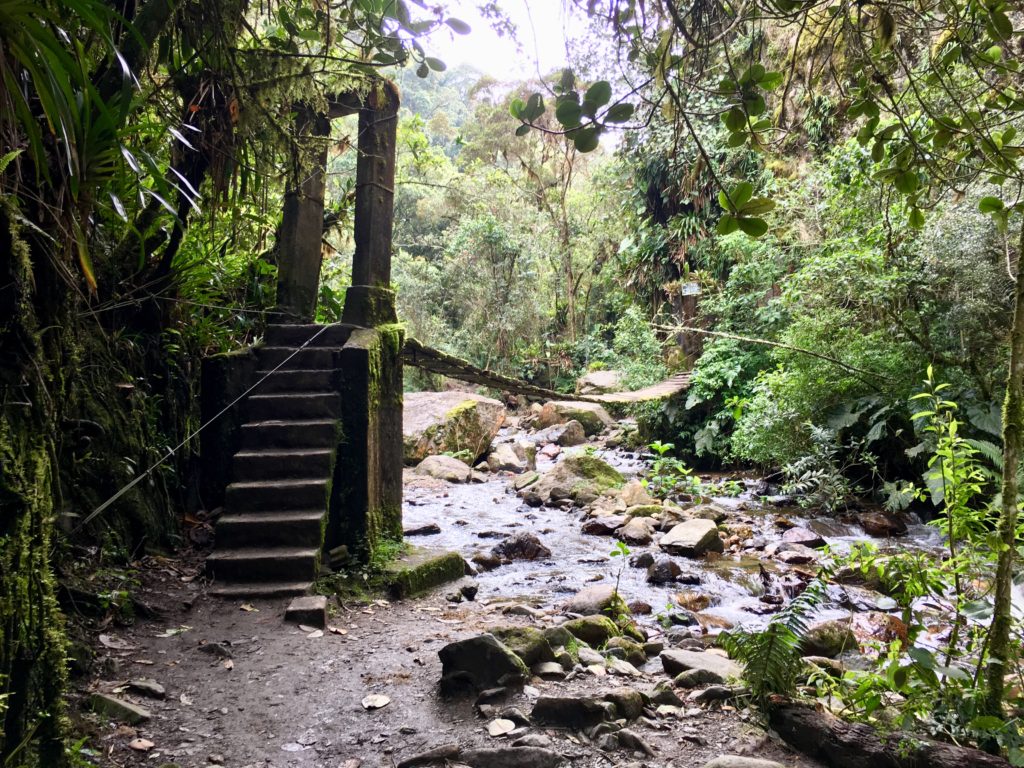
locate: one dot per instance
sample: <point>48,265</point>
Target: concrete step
<point>264,564</point>
<point>334,335</point>
<point>316,358</point>
<point>257,495</point>
<point>266,464</point>
<point>299,528</point>
<point>255,590</point>
<point>301,380</point>
<point>303,433</point>
<point>293,405</point>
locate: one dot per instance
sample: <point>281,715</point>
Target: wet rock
<point>572,434</point>
<point>534,740</point>
<point>592,416</point>
<point>711,512</point>
<point>508,457</point>
<point>577,477</point>
<point>486,562</point>
<point>528,643</point>
<point>589,656</point>
<point>696,678</point>
<point>548,670</point>
<point>449,422</point>
<point>444,468</point>
<point>692,601</point>
<point>479,662</point>
<point>532,498</point>
<point>629,702</point>
<point>524,481</point>
<point>511,757</point>
<point>693,538</point>
<point>118,709</point>
<point>621,667</point>
<point>423,530</point>
<point>676,660</point>
<point>881,525</point>
<point>829,639</point>
<point>663,571</point>
<point>794,554</point>
<point>640,608</point>
<point>737,761</point>
<point>603,526</point>
<point>593,630</point>
<point>600,598</point>
<point>643,560</point>
<point>599,382</point>
<point>645,510</point>
<point>469,590</point>
<point>634,493</point>
<point>572,711</point>
<point>521,546</point>
<point>803,537</point>
<point>631,650</point>
<point>638,531</point>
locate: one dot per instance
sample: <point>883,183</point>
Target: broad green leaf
<point>915,219</point>
<point>1001,26</point>
<point>734,119</point>
<point>727,224</point>
<point>619,113</point>
<point>757,206</point>
<point>586,140</point>
<point>599,93</point>
<point>568,113</point>
<point>458,26</point>
<point>753,227</point>
<point>422,70</point>
<point>516,107</point>
<point>522,130</point>
<point>435,64</point>
<point>990,204</point>
<point>741,193</point>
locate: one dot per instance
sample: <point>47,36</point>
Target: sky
<point>542,28</point>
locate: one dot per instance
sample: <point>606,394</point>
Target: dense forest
<point>814,207</point>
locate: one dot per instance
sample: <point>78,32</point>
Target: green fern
<point>771,658</point>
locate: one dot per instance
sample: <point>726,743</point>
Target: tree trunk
<point>1013,426</point>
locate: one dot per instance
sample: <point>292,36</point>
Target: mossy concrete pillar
<point>366,493</point>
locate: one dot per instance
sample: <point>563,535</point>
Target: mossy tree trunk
<point>32,657</point>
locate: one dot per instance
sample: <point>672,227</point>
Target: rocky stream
<point>583,633</point>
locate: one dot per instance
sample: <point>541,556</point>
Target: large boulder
<point>480,662</point>
<point>581,478</point>
<point>599,382</point>
<point>592,416</point>
<point>693,538</point>
<point>508,457</point>
<point>520,546</point>
<point>600,598</point>
<point>829,639</point>
<point>444,468</point>
<point>449,422</point>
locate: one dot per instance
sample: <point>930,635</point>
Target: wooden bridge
<point>418,354</point>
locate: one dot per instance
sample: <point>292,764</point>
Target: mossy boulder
<point>449,422</point>
<point>421,569</point>
<point>592,630</point>
<point>592,416</point>
<point>579,478</point>
<point>528,643</point>
<point>829,639</point>
<point>631,650</point>
<point>478,663</point>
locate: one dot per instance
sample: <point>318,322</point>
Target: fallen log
<point>839,744</point>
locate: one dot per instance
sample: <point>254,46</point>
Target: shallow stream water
<point>474,517</point>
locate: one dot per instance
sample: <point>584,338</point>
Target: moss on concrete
<point>421,570</point>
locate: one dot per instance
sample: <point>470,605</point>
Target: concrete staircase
<point>270,537</point>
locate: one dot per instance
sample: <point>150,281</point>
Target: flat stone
<point>422,530</point>
<point>310,610</point>
<point>737,761</point>
<point>511,757</point>
<point>695,678</point>
<point>445,468</point>
<point>639,530</point>
<point>592,416</point>
<point>526,480</point>
<point>548,670</point>
<point>422,569</point>
<point>119,709</point>
<point>589,656</point>
<point>804,537</point>
<point>605,525</point>
<point>676,660</point>
<point>147,687</point>
<point>572,711</point>
<point>692,538</point>
<point>600,598</point>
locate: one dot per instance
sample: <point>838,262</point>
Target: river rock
<point>572,433</point>
<point>600,598</point>
<point>737,761</point>
<point>631,650</point>
<point>711,512</point>
<point>528,643</point>
<point>676,660</point>
<point>803,537</point>
<point>521,546</point>
<point>508,457</point>
<point>638,531</point>
<point>480,662</point>
<point>634,493</point>
<point>693,538</point>
<point>572,711</point>
<point>829,639</point>
<point>444,468</point>
<point>629,702</point>
<point>881,525</point>
<point>599,383</point>
<point>592,630</point>
<point>696,678</point>
<point>591,416</point>
<point>589,656</point>
<point>510,757</point>
<point>663,571</point>
<point>577,477</point>
<point>449,422</point>
<point>605,525</point>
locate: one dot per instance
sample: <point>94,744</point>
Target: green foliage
<point>772,657</point>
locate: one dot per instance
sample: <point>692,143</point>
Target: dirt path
<point>287,699</point>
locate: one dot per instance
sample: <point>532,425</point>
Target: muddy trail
<point>208,682</point>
